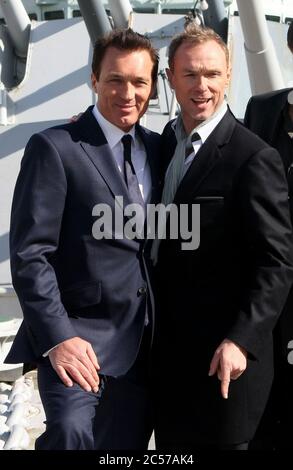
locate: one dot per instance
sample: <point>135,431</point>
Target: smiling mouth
<point>200,101</point>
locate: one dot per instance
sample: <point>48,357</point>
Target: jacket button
<point>141,291</point>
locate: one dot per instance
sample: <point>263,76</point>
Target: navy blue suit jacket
<point>68,283</point>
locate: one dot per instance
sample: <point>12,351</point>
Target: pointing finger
<point>225,382</point>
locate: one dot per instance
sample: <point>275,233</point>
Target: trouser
<point>275,429</point>
<point>118,417</point>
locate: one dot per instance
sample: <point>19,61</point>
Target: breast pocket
<point>208,199</point>
<point>211,214</point>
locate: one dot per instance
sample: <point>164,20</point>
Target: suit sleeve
<point>265,223</point>
<point>36,218</point>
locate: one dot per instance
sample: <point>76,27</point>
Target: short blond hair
<point>194,34</point>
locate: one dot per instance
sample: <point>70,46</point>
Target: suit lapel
<point>98,151</point>
<point>206,158</point>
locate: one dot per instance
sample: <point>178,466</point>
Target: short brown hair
<point>125,40</point>
<point>194,34</point>
<point>290,37</point>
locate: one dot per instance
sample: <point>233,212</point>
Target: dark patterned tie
<point>129,173</point>
<point>133,187</point>
<point>189,148</point>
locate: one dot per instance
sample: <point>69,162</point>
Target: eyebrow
<point>202,70</point>
<point>119,75</point>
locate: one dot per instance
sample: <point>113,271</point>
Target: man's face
<point>124,86</point>
<point>199,77</point>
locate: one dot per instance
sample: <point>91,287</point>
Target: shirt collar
<point>207,128</point>
<point>112,133</point>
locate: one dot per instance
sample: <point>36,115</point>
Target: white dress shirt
<point>204,131</point>
<point>138,153</point>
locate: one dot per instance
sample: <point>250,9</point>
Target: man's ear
<point>228,75</point>
<point>170,77</point>
<point>94,82</point>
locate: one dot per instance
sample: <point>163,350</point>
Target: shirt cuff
<point>49,350</point>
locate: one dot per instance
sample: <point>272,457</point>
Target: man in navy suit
<point>270,116</point>
<point>218,304</point>
<point>86,298</point>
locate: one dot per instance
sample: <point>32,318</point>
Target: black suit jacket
<point>233,286</point>
<point>263,114</point>
<point>68,283</point>
<point>264,117</point>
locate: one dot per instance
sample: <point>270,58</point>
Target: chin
<point>200,117</point>
<point>203,115</point>
<point>128,120</point>
<point>126,125</point>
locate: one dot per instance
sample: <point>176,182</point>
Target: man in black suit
<point>270,116</point>
<point>83,286</point>
<point>219,303</point>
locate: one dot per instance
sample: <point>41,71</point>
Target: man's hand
<point>75,117</point>
<point>229,361</point>
<point>75,359</point>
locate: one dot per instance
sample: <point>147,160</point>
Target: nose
<point>201,83</point>
<point>128,91</point>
